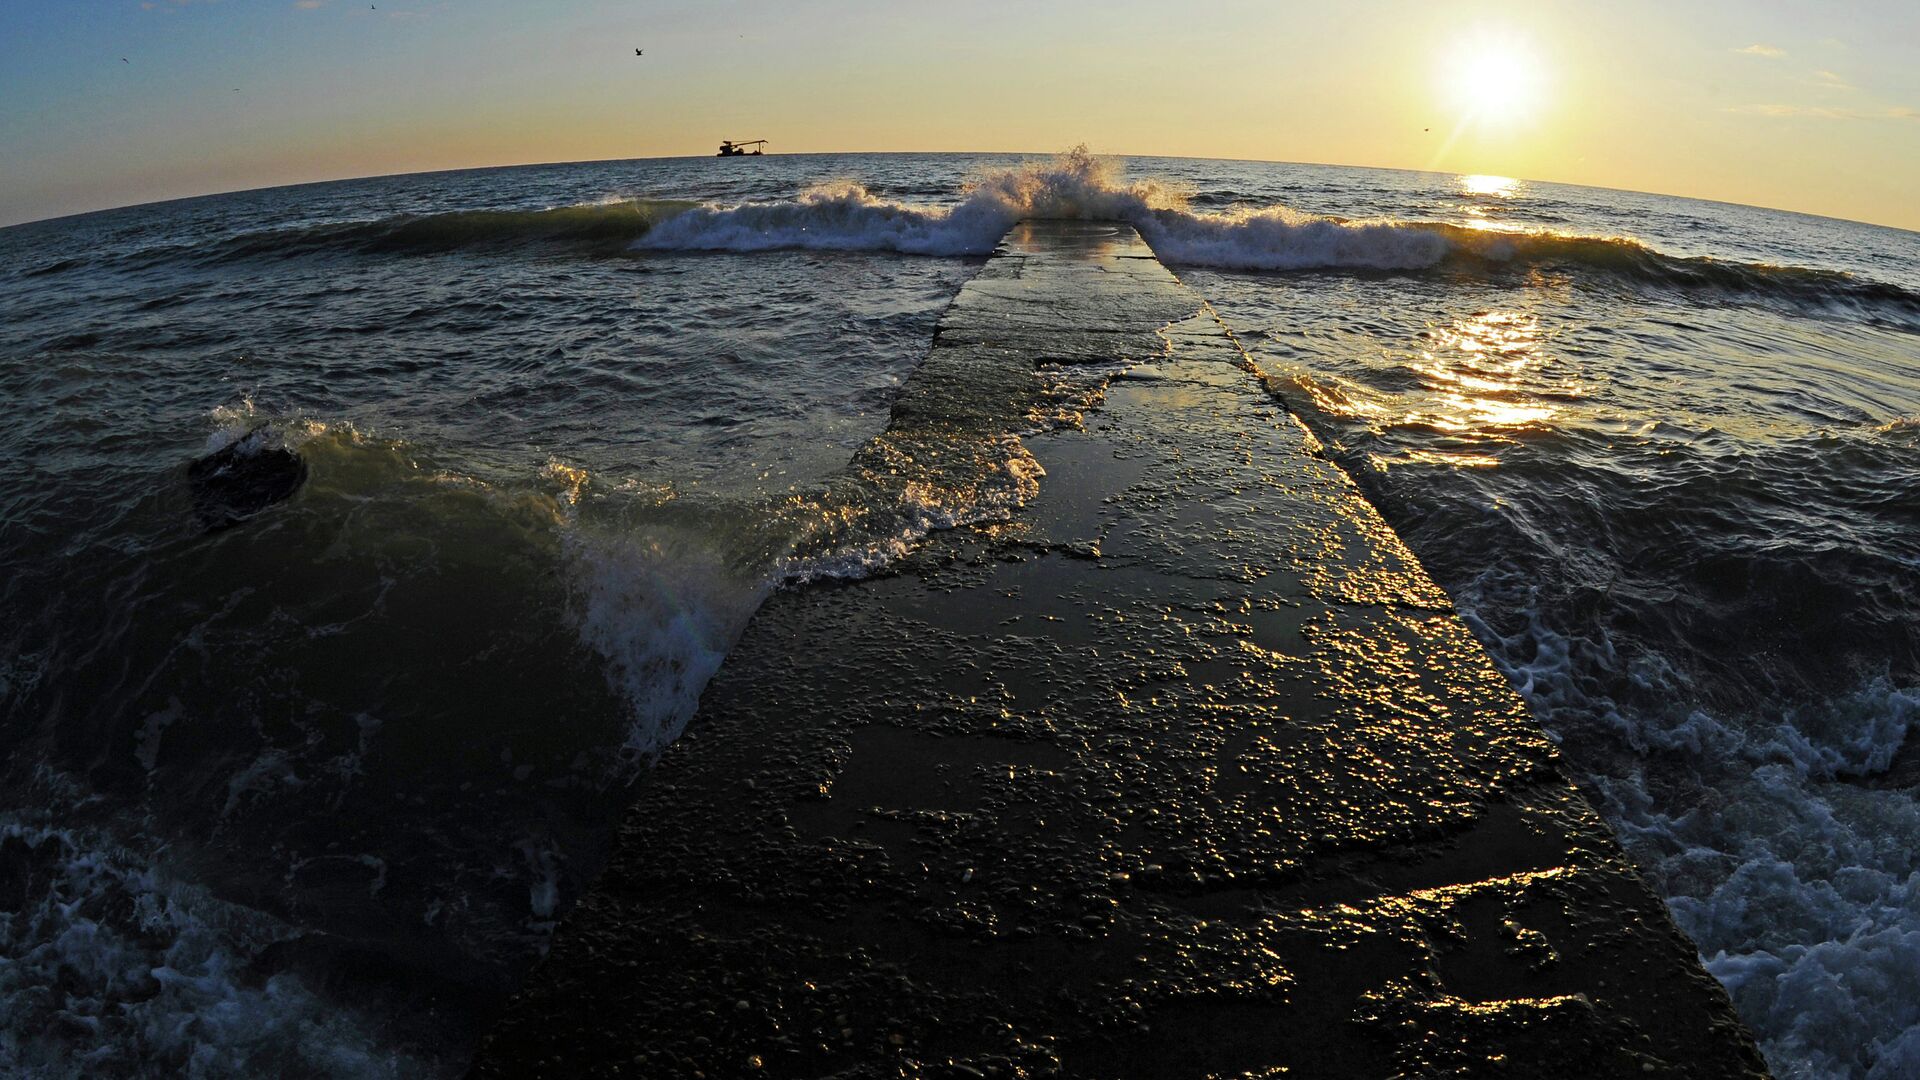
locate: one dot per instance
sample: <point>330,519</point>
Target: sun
<point>1494,79</point>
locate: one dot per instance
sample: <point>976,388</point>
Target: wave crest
<point>1280,238</point>
<point>843,215</point>
<point>602,228</point>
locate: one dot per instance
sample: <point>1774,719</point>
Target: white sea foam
<point>1815,931</point>
<point>109,966</point>
<point>1797,878</point>
<point>243,419</point>
<point>901,489</point>
<point>663,606</point>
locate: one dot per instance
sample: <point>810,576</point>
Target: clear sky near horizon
<point>1803,106</point>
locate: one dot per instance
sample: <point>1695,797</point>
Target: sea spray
<point>662,606</point>
<point>845,216</point>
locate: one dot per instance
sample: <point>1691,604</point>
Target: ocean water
<point>305,795</point>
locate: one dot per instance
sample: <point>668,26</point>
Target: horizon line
<point>930,153</point>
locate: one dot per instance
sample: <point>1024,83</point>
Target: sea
<point>304,793</point>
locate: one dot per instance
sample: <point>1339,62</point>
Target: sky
<point>1812,107</point>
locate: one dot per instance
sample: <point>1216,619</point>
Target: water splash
<point>844,216</point>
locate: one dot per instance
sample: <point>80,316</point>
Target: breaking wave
<point>844,216</point>
<point>1282,239</point>
<point>665,587</point>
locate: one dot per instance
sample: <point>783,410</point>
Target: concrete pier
<point>1186,771</point>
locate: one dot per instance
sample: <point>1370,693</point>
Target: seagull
<point>639,52</point>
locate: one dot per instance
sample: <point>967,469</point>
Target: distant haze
<point>1796,106</point>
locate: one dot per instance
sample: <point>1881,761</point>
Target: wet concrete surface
<point>1186,771</point>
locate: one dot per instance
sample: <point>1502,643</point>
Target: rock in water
<point>243,478</point>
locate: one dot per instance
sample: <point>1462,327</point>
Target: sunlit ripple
<point>1485,383</point>
<point>1448,458</point>
<point>1487,380</point>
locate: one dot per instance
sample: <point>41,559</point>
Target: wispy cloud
<point>1794,110</point>
<point>1829,80</point>
<point>1822,112</point>
<point>1757,49</point>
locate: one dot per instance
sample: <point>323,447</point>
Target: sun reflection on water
<point>1491,187</point>
<point>1485,198</point>
<point>1474,387</point>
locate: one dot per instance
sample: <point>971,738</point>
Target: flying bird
<point>124,60</point>
<point>639,52</point>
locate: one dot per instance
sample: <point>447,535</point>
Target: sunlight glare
<point>1494,78</point>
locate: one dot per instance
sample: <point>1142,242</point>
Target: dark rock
<point>243,478</point>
